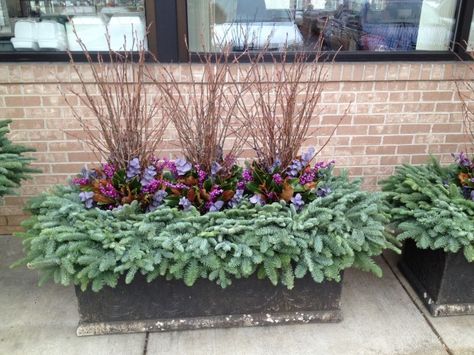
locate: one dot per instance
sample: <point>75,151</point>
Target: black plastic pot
<point>444,281</point>
<point>171,305</point>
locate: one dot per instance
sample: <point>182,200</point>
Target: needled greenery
<point>428,204</point>
<point>94,247</point>
<point>14,166</point>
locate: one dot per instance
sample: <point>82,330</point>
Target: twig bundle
<point>202,109</point>
<point>125,112</point>
<point>465,90</point>
<point>281,102</point>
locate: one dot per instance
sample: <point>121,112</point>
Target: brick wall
<point>399,113</point>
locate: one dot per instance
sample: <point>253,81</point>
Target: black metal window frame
<point>167,38</point>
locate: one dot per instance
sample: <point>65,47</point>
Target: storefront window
<point>346,25</point>
<point>47,25</point>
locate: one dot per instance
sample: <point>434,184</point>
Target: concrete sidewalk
<point>381,316</point>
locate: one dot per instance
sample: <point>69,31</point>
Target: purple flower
<point>86,197</point>
<point>256,200</point>
<point>247,175</point>
<point>185,203</point>
<point>215,192</point>
<point>307,156</point>
<point>148,175</point>
<point>295,168</point>
<point>462,159</point>
<point>308,177</point>
<point>152,186</point>
<point>241,185</point>
<point>165,164</point>
<point>216,206</point>
<point>109,190</point>
<point>201,174</point>
<point>157,200</point>
<point>239,194</point>
<point>109,170</point>
<point>80,181</point>
<point>133,168</point>
<point>88,174</point>
<point>182,166</point>
<point>323,191</point>
<point>215,168</point>
<point>178,186</point>
<point>277,179</point>
<point>297,201</point>
<point>323,165</point>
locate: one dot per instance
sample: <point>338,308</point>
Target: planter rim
<point>221,321</point>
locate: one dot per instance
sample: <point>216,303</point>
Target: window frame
<point>167,40</point>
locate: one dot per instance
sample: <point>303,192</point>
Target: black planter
<point>171,305</point>
<point>444,281</point>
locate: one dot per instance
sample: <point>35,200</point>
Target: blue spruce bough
<point>14,166</point>
<point>428,207</point>
<point>94,247</point>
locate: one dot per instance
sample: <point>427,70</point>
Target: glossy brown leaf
<point>287,192</point>
<point>227,195</point>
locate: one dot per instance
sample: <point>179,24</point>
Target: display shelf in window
<point>49,25</point>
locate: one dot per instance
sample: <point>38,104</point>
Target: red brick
<point>368,119</point>
<point>22,101</point>
<point>69,146</point>
<point>397,139</point>
<point>384,129</point>
<point>380,150</point>
<point>415,128</point>
<point>352,130</point>
<point>82,157</point>
<point>366,140</point>
<point>447,128</point>
<point>412,149</point>
<point>27,124</point>
<point>437,96</point>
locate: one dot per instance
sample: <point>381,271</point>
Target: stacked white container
<point>51,35</point>
<point>126,27</point>
<point>90,29</point>
<point>25,35</point>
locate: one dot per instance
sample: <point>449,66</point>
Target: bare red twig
<point>126,122</point>
<point>281,101</point>
<point>202,107</point>
<point>465,91</point>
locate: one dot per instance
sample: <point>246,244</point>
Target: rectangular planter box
<point>171,305</point>
<point>443,281</point>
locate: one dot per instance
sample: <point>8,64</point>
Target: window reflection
<point>47,25</point>
<point>347,25</point>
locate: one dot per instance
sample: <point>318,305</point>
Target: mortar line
<point>425,317</point>
<point>145,345</point>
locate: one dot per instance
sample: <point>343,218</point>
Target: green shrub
<point>72,244</point>
<point>428,206</point>
<point>14,166</point>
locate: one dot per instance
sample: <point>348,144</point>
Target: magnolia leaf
<point>287,192</point>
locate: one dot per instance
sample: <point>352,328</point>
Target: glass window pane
<point>47,25</point>
<point>347,25</point>
<point>470,41</point>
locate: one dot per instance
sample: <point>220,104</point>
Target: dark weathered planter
<point>171,305</point>
<point>444,281</point>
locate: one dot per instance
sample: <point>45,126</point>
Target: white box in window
<point>51,35</point>
<point>25,35</point>
<point>91,30</point>
<point>126,27</point>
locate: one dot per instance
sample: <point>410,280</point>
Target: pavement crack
<point>145,346</point>
<point>425,317</point>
